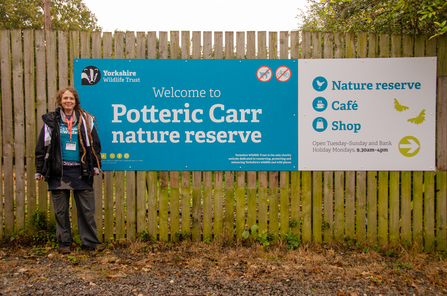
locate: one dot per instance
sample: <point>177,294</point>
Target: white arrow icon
<point>413,146</point>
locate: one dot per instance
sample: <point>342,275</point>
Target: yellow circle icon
<point>409,146</point>
<point>119,156</point>
<point>112,155</point>
<point>126,155</point>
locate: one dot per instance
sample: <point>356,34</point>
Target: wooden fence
<point>378,208</point>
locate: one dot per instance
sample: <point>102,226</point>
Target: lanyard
<point>70,125</point>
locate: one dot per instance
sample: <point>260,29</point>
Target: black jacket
<point>49,151</point>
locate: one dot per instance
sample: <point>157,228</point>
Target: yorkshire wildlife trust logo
<point>90,75</point>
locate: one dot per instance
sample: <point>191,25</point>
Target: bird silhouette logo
<point>319,83</point>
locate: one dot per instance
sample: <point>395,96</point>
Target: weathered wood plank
<point>284,45</point>
<point>196,204</point>
<point>151,45</point>
<point>429,210</point>
<point>186,204</point>
<point>108,176</point>
<point>262,45</point>
<point>371,205</point>
<point>295,202</point>
<point>350,176</point>
<point>119,205</point>
<point>19,132</point>
<point>74,53</point>
<point>306,45</point>
<point>175,206</point>
<point>339,205</point>
<point>350,205</point>
<point>51,67</point>
<point>383,209</point>
<point>163,215</point>
<point>273,202</point>
<point>240,204</point>
<point>350,45</point>
<point>317,199</point>
<point>328,203</point>
<point>294,45</point>
<point>441,107</point>
<point>339,43</point>
<point>284,202</point>
<point>263,202</point>
<point>7,124</point>
<point>98,181</point>
<point>251,199</point>
<point>328,177</point>
<point>306,198</point>
<point>384,46</point>
<point>418,205</point>
<point>119,175</point>
<point>142,202</point>
<point>405,205</point>
<point>186,45</point>
<point>362,45</point>
<point>131,204</point>
<point>251,45</point>
<point>394,208</point>
<point>396,46</point>
<point>407,46</point>
<point>442,54</point>
<point>229,45</point>
<point>360,212</point>
<point>229,204</point>
<point>152,205</point>
<point>207,206</point>
<point>30,122</point>
<point>141,45</point>
<point>273,45</point>
<point>62,58</point>
<point>41,107</point>
<point>218,203</point>
<point>108,206</point>
<point>373,48</point>
<point>441,210</point>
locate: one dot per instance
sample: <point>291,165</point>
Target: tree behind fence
<point>378,208</point>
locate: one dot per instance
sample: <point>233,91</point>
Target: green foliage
<point>293,223</point>
<point>292,240</point>
<point>29,14</point>
<point>379,16</point>
<point>263,238</point>
<point>42,230</point>
<point>145,236</point>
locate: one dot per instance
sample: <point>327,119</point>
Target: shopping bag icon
<point>320,124</point>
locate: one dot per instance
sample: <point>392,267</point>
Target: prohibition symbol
<point>264,74</point>
<point>283,74</point>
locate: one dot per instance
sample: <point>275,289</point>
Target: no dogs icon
<point>264,74</point>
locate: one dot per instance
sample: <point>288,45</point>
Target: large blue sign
<point>193,114</point>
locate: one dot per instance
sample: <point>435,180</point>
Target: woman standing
<point>67,157</point>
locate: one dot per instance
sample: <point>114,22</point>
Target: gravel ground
<point>148,268</point>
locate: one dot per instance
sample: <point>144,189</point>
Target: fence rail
<point>379,208</point>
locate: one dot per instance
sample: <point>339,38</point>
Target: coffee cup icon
<point>319,104</point>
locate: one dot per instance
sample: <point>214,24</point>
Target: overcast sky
<point>196,15</point>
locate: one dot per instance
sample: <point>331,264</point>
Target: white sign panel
<point>367,114</point>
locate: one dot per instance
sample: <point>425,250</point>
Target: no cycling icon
<point>282,74</point>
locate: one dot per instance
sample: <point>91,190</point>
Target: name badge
<point>70,146</point>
